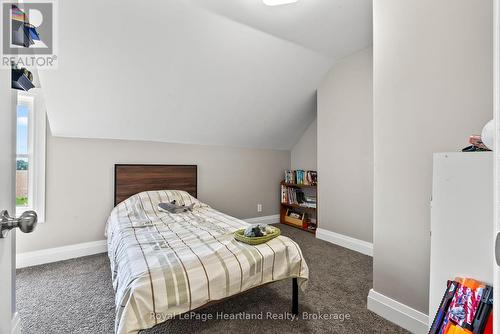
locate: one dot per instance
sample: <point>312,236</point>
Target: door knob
<point>26,222</point>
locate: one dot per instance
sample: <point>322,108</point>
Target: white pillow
<point>181,198</point>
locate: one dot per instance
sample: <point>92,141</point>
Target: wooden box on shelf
<point>299,222</point>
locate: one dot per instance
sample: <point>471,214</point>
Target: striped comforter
<point>167,264</point>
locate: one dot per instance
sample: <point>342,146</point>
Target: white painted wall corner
<point>345,241</point>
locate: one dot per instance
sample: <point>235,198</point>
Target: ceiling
<point>336,28</point>
<point>174,72</point>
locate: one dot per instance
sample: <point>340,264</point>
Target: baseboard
<point>357,245</point>
<point>43,256</point>
<point>264,220</point>
<point>400,314</point>
<point>16,324</point>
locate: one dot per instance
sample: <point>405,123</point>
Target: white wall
<point>345,148</point>
<point>80,183</point>
<point>432,89</point>
<point>304,153</point>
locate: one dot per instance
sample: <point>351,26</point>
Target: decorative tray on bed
<point>240,236</point>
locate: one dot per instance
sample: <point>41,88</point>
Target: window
<point>30,155</point>
<point>22,158</point>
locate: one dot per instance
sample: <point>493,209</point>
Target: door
<point>9,320</point>
<point>7,202</point>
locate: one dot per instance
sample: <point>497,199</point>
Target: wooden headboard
<point>133,179</point>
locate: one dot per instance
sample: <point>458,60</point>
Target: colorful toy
<point>464,309</point>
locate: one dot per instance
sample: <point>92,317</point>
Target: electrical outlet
<point>259,207</point>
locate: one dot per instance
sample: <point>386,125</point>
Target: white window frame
<point>37,137</point>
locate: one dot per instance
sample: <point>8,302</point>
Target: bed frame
<point>131,179</point>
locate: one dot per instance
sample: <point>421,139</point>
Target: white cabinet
<point>461,221</point>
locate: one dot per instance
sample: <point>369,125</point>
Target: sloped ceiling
<point>174,72</point>
<point>336,28</point>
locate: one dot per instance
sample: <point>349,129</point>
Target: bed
<point>164,265</point>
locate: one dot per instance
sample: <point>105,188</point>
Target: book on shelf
<point>301,177</point>
<point>310,201</point>
<point>284,198</point>
<point>312,177</point>
<point>288,195</point>
<point>289,176</point>
<point>294,196</point>
<point>309,198</point>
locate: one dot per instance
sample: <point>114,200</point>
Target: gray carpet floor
<point>76,296</point>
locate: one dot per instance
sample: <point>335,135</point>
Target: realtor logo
<point>28,34</point>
